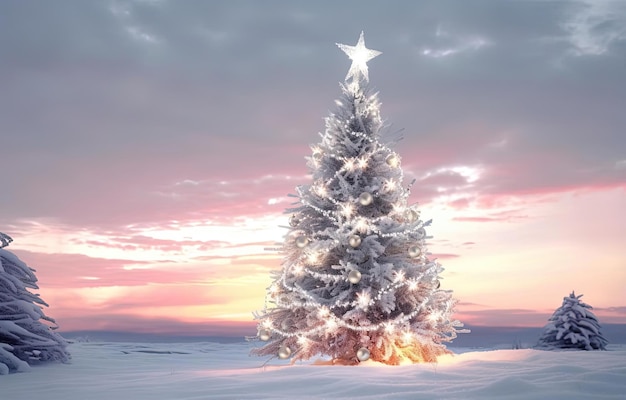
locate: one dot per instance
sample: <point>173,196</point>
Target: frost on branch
<point>24,337</point>
<point>573,326</point>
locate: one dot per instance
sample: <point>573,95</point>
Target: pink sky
<point>148,152</point>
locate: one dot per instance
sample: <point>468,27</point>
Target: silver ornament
<point>392,160</point>
<point>366,198</point>
<point>354,241</point>
<point>411,215</point>
<point>363,354</point>
<point>264,335</point>
<point>317,155</point>
<point>354,276</point>
<point>415,251</point>
<point>284,352</point>
<point>302,241</point>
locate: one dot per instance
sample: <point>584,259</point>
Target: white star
<point>359,55</point>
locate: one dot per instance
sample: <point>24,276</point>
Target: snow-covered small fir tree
<point>357,282</point>
<point>24,338</point>
<point>573,326</point>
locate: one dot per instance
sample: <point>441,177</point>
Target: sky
<point>148,148</point>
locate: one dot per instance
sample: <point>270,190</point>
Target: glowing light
<point>361,163</point>
<point>363,300</point>
<point>398,208</point>
<point>399,276</point>
<point>321,190</point>
<point>298,269</point>
<point>433,317</point>
<point>331,324</point>
<point>313,258</point>
<point>389,328</point>
<point>347,209</point>
<point>407,337</point>
<point>361,225</point>
<point>350,165</point>
<point>390,185</point>
<point>412,284</point>
<point>323,312</point>
<point>359,55</point>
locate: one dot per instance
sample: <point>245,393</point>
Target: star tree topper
<point>359,55</point>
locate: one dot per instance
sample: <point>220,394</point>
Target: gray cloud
<point>106,103</point>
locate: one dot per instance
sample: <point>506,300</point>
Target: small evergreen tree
<point>24,338</point>
<point>573,326</point>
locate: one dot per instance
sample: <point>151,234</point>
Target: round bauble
<point>415,251</point>
<point>354,276</point>
<point>354,241</point>
<point>392,160</point>
<point>363,354</point>
<point>293,220</point>
<point>284,352</point>
<point>302,241</point>
<point>366,198</point>
<point>411,215</point>
<point>317,155</point>
<point>264,335</point>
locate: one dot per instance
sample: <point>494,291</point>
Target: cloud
<point>514,215</point>
<point>594,26</point>
<point>448,44</point>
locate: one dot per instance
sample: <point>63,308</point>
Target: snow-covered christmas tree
<point>24,338</point>
<point>357,282</point>
<point>573,326</point>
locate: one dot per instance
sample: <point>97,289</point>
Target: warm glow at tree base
<point>344,346</point>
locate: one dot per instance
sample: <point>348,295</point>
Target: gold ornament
<point>264,335</point>
<point>415,251</point>
<point>392,160</point>
<point>411,215</point>
<point>366,198</point>
<point>284,352</point>
<point>363,354</point>
<point>293,220</point>
<point>302,241</point>
<point>354,276</point>
<point>354,241</point>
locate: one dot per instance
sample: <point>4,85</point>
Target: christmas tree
<point>24,338</point>
<point>573,326</point>
<point>357,282</point>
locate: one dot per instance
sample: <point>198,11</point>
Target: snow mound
<point>115,371</point>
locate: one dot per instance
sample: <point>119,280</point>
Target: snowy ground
<point>194,371</point>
